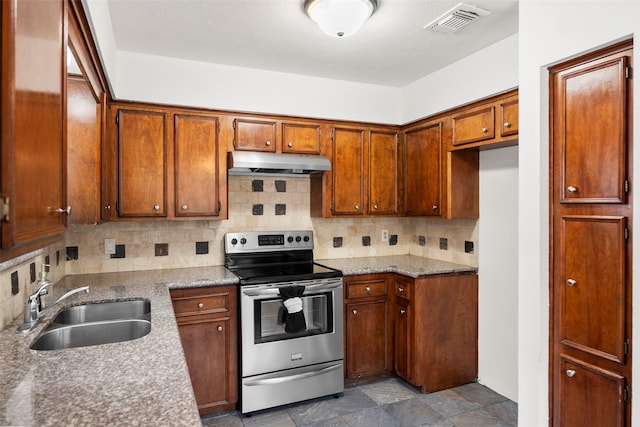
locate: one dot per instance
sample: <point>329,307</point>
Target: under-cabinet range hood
<point>258,163</point>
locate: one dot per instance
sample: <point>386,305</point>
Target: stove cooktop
<point>284,273</point>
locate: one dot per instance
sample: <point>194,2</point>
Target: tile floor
<point>386,403</point>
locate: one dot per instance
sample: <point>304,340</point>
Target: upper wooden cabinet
<point>365,174</point>
<point>490,123</point>
<point>276,135</point>
<point>254,135</point>
<point>301,138</point>
<point>165,164</point>
<point>33,123</point>
<point>423,170</point>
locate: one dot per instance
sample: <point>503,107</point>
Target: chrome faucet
<point>34,308</point>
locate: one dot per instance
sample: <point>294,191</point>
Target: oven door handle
<point>288,378</point>
<point>257,292</point>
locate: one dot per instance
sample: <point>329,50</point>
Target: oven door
<point>267,347</point>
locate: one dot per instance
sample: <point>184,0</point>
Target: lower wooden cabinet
<point>367,327</point>
<point>207,321</point>
<point>436,330</point>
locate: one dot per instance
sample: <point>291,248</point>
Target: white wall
<point>498,272</point>
<point>550,32</point>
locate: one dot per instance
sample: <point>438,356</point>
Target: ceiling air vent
<point>456,18</point>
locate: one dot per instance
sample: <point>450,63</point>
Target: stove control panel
<point>268,241</point>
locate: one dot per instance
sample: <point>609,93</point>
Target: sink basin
<point>133,309</point>
<point>57,337</point>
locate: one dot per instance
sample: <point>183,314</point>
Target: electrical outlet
<point>109,246</point>
<point>385,235</point>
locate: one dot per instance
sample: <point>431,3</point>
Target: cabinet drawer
<point>474,126</point>
<point>254,135</point>
<point>300,138</point>
<point>366,289</point>
<point>190,302</point>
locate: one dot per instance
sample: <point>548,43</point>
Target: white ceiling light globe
<point>339,18</point>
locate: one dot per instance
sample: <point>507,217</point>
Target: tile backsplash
<point>181,244</point>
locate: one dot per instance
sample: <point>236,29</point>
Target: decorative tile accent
<point>468,247</point>
<point>366,240</point>
<point>162,249</point>
<point>14,283</point>
<point>444,244</point>
<point>281,209</point>
<point>422,241</point>
<point>393,240</point>
<point>32,272</point>
<point>257,209</point>
<point>72,253</point>
<point>57,258</point>
<point>47,259</point>
<point>337,242</point>
<point>281,186</point>
<point>120,252</point>
<point>202,248</point>
<point>257,185</point>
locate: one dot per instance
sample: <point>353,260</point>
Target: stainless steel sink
<point>133,309</point>
<point>57,337</point>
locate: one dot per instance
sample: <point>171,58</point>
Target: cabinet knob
<point>219,328</point>
<point>400,290</point>
<point>107,208</point>
<point>200,305</point>
<point>434,207</point>
<point>156,207</point>
<point>572,189</point>
<point>64,211</point>
<point>403,312</point>
<point>571,373</point>
<point>185,207</point>
<point>507,124</point>
<point>571,282</point>
<point>354,312</point>
<point>485,130</point>
<point>290,144</point>
<point>375,206</point>
<point>368,289</point>
<point>357,207</point>
<point>268,143</point>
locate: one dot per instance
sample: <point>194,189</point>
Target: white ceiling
<point>391,49</point>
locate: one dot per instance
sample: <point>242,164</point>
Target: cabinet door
<point>423,171</point>
<point>509,115</point>
<point>32,127</point>
<point>254,135</point>
<point>402,339</point>
<point>590,131</point>
<point>383,173</point>
<point>196,165</point>
<point>300,138</point>
<point>474,126</point>
<point>366,339</point>
<point>589,395</point>
<point>348,171</point>
<point>142,159</point>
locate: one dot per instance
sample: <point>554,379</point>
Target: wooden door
<point>383,173</point>
<point>423,171</point>
<point>348,171</point>
<point>33,120</point>
<point>142,163</point>
<point>254,135</point>
<point>301,138</point>
<point>591,221</point>
<point>366,339</point>
<point>197,165</point>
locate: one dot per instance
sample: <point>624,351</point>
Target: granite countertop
<point>407,265</point>
<point>139,382</point>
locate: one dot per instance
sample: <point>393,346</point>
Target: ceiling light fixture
<point>340,18</point>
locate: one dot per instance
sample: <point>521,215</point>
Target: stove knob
<point>234,241</point>
<point>290,239</point>
<point>298,238</point>
<point>243,241</point>
<point>305,238</point>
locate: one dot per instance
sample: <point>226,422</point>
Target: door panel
<point>423,171</point>
<point>348,171</point>
<point>383,173</point>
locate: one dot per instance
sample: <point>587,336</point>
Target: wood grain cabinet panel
<point>384,173</point>
<point>196,165</point>
<point>254,135</point>
<point>33,121</point>
<point>423,170</point>
<point>142,160</point>
<point>509,117</point>
<point>207,322</point>
<point>301,138</point>
<point>473,126</point>
<point>348,171</point>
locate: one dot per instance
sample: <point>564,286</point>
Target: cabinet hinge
<point>627,72</point>
<point>626,346</point>
<point>331,136</point>
<point>118,207</point>
<point>234,123</point>
<point>117,119</point>
<point>626,233</point>
<point>4,209</point>
<point>219,206</point>
<point>626,185</point>
<point>626,394</point>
